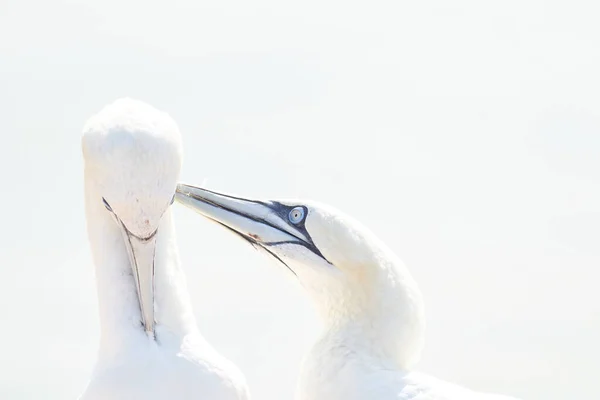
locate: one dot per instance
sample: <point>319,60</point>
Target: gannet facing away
<point>150,347</point>
<point>370,305</point>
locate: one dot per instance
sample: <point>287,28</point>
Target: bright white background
<point>466,136</point>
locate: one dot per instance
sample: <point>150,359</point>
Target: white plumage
<point>371,307</point>
<point>150,346</point>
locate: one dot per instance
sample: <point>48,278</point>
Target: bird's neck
<point>120,316</point>
<point>377,319</point>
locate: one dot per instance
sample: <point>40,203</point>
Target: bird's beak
<point>261,223</point>
<point>141,257</point>
<point>255,220</point>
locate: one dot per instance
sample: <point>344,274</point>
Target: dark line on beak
<point>241,214</point>
<point>251,241</point>
<point>301,242</point>
<point>135,266</point>
<point>142,239</point>
<point>222,195</point>
<point>279,259</point>
<point>254,243</point>
<point>137,271</point>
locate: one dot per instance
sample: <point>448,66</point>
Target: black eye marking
<point>106,205</point>
<point>284,213</point>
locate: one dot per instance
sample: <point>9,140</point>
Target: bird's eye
<point>106,205</point>
<point>296,215</point>
<point>172,200</point>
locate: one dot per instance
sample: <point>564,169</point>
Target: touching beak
<point>141,257</point>
<point>256,220</point>
<point>260,223</point>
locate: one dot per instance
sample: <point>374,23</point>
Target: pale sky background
<point>466,135</point>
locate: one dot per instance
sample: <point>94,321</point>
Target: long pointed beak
<point>261,223</point>
<point>141,256</point>
<point>255,220</point>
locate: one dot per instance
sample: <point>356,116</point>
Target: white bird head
<point>351,275</point>
<point>132,154</point>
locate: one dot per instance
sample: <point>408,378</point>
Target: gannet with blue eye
<point>371,307</point>
<point>150,347</point>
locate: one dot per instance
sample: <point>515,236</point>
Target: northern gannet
<point>150,346</point>
<point>371,307</point>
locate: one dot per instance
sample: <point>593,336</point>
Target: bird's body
<point>179,363</point>
<point>183,370</point>
<point>371,308</point>
<point>333,371</point>
<point>150,346</point>
<point>158,372</point>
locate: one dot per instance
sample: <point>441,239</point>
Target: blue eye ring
<point>108,207</point>
<point>296,215</point>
